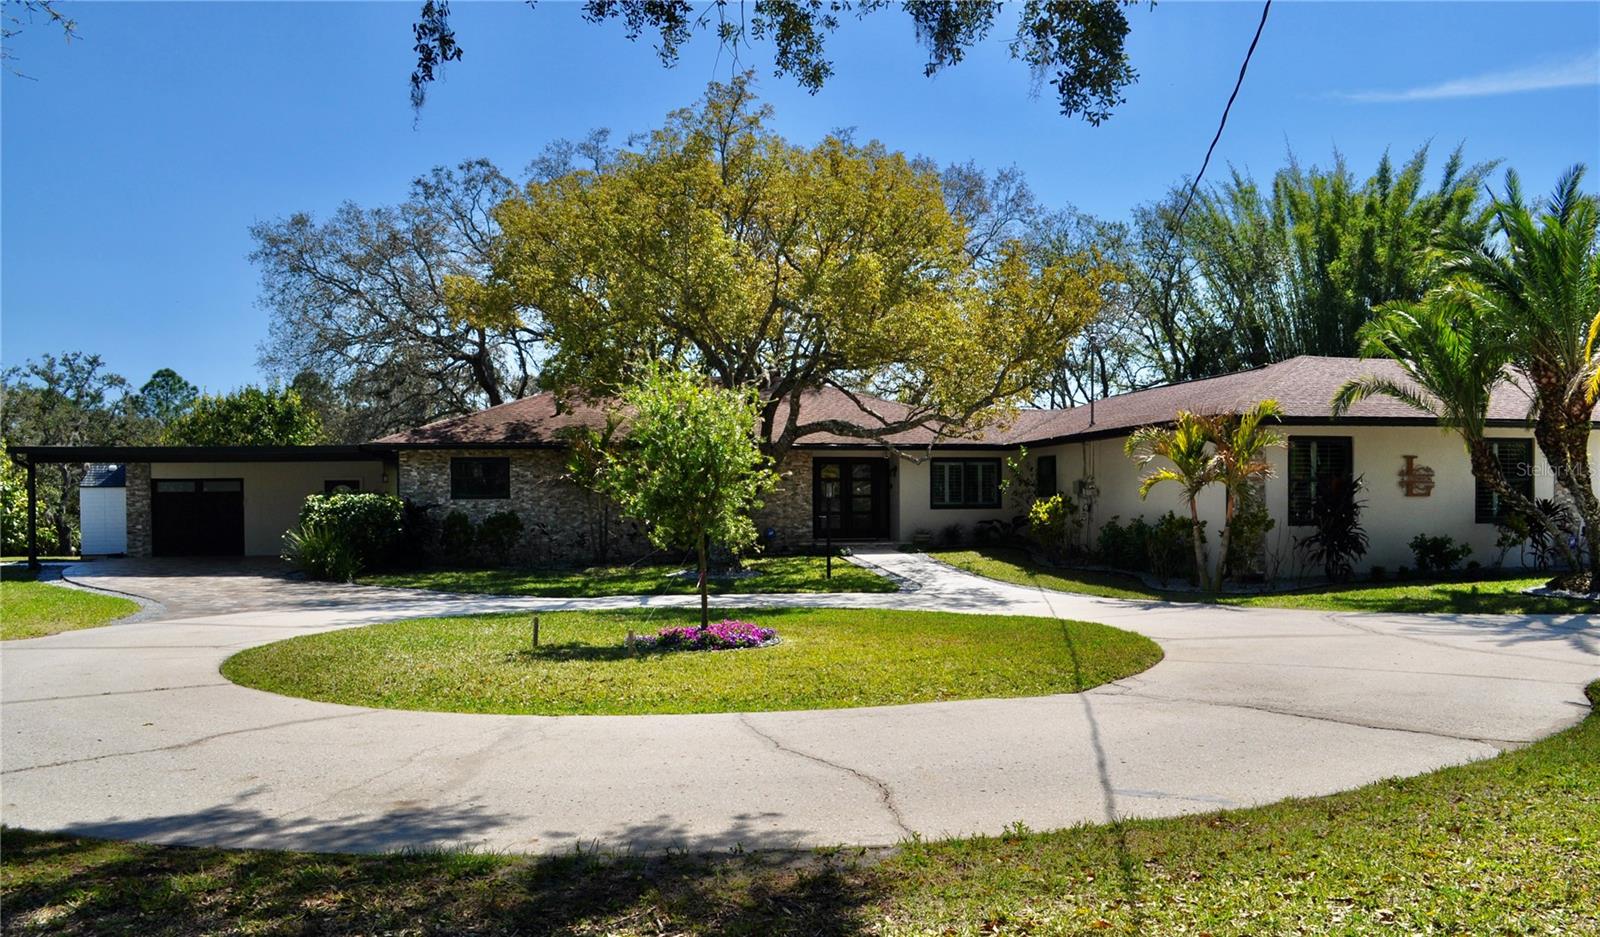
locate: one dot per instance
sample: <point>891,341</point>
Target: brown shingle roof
<point>1302,386</point>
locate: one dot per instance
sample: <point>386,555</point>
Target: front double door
<point>851,499</point>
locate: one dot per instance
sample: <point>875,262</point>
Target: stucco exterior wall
<point>914,512</point>
<point>1390,518</point>
<point>273,494</point>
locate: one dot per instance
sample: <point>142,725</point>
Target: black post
<point>829,548</point>
<point>33,517</point>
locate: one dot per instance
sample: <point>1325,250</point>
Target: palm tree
<point>1454,356</point>
<point>1193,468</point>
<point>1240,443</point>
<point>1540,282</point>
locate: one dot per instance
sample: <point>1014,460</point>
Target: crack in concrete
<point>158,689</point>
<point>191,743</point>
<point>885,794</point>
<point>1497,744</point>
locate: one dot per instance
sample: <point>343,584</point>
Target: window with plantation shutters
<point>1516,464</point>
<point>1312,460</point>
<point>964,483</point>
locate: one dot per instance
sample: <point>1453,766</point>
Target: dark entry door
<point>197,517</point>
<point>850,499</point>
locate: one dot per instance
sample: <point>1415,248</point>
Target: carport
<point>212,500</point>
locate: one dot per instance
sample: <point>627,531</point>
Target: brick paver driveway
<point>129,730</point>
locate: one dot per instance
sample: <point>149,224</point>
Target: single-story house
<point>239,500</point>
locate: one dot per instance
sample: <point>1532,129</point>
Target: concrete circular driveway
<point>128,731</point>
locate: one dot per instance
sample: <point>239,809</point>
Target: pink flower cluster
<point>717,636</point>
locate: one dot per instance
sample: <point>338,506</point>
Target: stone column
<point>137,495</point>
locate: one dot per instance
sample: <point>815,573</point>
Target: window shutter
<point>940,492</point>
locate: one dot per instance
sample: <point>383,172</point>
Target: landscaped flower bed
<point>725,635</point>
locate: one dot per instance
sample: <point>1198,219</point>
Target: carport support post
<point>33,517</point>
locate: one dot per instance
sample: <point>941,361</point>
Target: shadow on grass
<point>69,884</point>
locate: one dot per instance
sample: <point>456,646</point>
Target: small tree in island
<point>690,467</point>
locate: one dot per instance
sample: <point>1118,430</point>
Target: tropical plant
<point>457,536</point>
<point>320,552</point>
<point>1539,281</point>
<point>691,470</point>
<point>1239,446</point>
<point>1339,540</point>
<point>1185,447</point>
<point>1453,357</point>
<point>1166,542</point>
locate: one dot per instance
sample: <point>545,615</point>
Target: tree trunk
<point>1199,547</point>
<point>705,611</point>
<point>1222,538</point>
<point>1562,432</point>
<point>1486,468</point>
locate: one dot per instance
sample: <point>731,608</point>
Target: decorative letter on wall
<point>1416,480</point>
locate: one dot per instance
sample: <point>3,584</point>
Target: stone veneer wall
<point>786,510</point>
<point>557,516</point>
<point>137,494</point>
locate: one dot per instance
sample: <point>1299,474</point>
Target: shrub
<point>1247,536</point>
<point>1050,523</point>
<point>723,635</point>
<point>1125,546</point>
<point>1339,539</point>
<point>340,535</point>
<point>1379,574</point>
<point>1402,572</point>
<point>1439,554</point>
<point>456,536</point>
<point>1169,545</point>
<point>991,532</point>
<point>498,535</point>
<point>952,535</point>
<point>318,551</point>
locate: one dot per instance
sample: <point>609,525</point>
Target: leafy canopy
<point>251,416</point>
<point>690,467</point>
<point>721,247</point>
<point>1077,46</point>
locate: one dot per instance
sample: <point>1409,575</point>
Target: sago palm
<point>1185,446</point>
<point>1540,281</point>
<point>1453,356</point>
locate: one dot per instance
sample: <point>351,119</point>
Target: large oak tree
<point>721,247</point>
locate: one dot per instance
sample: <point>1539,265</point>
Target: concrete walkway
<point>128,731</point>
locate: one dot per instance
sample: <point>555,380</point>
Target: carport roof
<point>126,454</point>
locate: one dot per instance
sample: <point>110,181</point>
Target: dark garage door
<point>197,517</point>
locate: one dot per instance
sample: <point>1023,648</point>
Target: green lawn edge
<point>1486,595</point>
<point>32,609</point>
<point>826,658</point>
<point>1510,844</point>
<point>776,574</point>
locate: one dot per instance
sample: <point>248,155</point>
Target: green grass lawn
<point>772,574</point>
<point>30,609</point>
<point>1505,846</point>
<point>1485,593</point>
<point>826,658</point>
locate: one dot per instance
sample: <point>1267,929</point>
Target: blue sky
<point>133,160</point>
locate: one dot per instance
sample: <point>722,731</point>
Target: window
<point>474,479</point>
<point>1516,464</point>
<point>1313,460</point>
<point>341,486</point>
<point>965,483</point>
<point>1045,477</point>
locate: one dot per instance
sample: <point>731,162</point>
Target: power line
<point>1243,67</point>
